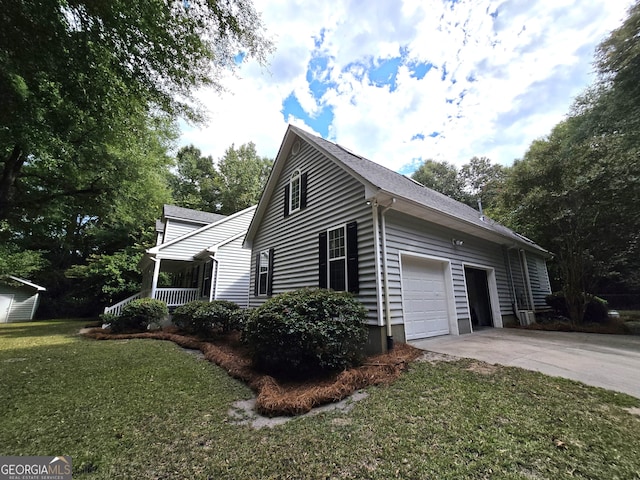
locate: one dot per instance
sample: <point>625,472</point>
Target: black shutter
<point>352,258</point>
<point>257,282</point>
<point>270,274</point>
<point>322,260</point>
<point>303,191</point>
<point>286,200</point>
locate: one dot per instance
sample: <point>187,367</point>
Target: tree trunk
<point>12,166</point>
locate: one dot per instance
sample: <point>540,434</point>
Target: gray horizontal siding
<point>405,233</point>
<point>233,273</point>
<point>185,249</point>
<point>333,198</point>
<point>175,228</point>
<point>23,303</point>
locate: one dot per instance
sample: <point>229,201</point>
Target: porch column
<point>214,275</point>
<point>156,274</point>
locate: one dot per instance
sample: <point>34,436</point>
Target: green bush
<point>205,318</point>
<point>595,309</point>
<point>139,314</point>
<point>307,332</point>
<point>107,318</point>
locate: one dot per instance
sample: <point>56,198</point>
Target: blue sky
<point>401,81</point>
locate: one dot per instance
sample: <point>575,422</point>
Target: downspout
<point>376,229</point>
<point>385,276</point>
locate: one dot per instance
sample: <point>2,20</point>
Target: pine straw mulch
<point>275,398</point>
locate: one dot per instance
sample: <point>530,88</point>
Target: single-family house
<point>19,299</point>
<point>422,263</point>
<point>199,256</point>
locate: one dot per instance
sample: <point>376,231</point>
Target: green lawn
<point>146,409</point>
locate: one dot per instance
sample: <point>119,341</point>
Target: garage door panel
<point>424,295</point>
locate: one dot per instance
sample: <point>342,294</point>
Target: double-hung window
<point>338,258</point>
<point>294,187</point>
<point>295,193</point>
<point>263,273</point>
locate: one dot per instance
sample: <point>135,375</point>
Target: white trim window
<point>337,250</point>
<point>295,189</point>
<point>263,273</point>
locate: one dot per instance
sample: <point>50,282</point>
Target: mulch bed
<point>275,398</point>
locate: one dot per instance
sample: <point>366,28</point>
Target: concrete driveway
<point>608,361</point>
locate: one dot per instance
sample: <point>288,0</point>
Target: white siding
<point>333,198</point>
<point>233,273</point>
<point>405,233</point>
<point>24,300</point>
<point>176,228</point>
<point>186,248</point>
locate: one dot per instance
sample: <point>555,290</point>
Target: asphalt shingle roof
<point>404,187</point>
<point>197,216</point>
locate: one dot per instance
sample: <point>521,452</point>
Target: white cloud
<point>509,79</point>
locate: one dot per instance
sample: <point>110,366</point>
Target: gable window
<point>264,273</point>
<point>338,258</point>
<point>295,193</point>
<point>294,188</point>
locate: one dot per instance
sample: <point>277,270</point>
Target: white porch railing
<point>176,296</point>
<point>117,308</point>
<point>173,297</point>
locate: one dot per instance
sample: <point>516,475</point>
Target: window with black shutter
<point>264,273</point>
<point>338,258</point>
<point>295,193</point>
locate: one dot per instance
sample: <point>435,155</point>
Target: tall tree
<point>242,175</point>
<point>73,72</point>
<point>442,177</point>
<point>482,180</point>
<point>195,183</point>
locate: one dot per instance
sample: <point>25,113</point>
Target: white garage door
<point>424,298</point>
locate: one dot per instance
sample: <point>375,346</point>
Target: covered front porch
<point>175,282</point>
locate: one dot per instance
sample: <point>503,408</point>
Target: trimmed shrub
<point>307,332</point>
<point>205,318</point>
<point>107,318</point>
<point>595,310</point>
<point>139,314</point>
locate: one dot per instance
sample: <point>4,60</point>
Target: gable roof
<point>196,216</point>
<point>221,219</point>
<point>394,190</point>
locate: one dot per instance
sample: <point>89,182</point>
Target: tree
<point>195,183</point>
<point>482,180</point>
<point>74,72</point>
<point>579,200</point>
<point>20,263</point>
<point>442,177</point>
<point>242,176</point>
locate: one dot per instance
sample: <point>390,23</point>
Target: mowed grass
<point>146,409</point>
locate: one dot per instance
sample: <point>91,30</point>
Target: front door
<point>5,305</point>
